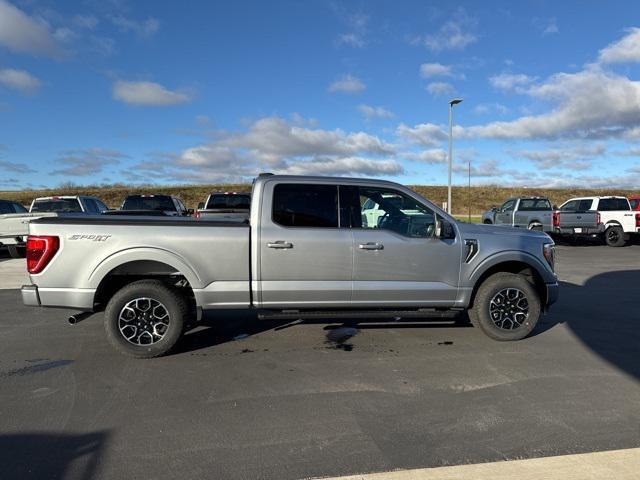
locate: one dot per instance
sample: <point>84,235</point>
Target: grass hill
<point>481,198</point>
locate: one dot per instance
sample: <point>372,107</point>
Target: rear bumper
<point>583,230</point>
<point>553,292</point>
<point>80,298</point>
<point>30,295</point>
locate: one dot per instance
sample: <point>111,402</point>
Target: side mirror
<point>201,206</point>
<point>554,207</point>
<point>444,229</point>
<point>494,208</point>
<point>190,211</point>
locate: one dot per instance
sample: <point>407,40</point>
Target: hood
<point>480,229</point>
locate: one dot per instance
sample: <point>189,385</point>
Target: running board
<point>357,314</point>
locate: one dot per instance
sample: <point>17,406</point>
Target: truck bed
<point>212,256</point>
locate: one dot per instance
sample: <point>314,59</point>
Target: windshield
<point>56,205</point>
<point>148,202</point>
<point>224,200</point>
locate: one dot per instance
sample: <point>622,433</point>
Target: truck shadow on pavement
<point>47,455</point>
<point>604,314</point>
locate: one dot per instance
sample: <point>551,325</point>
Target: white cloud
<point>440,88</point>
<point>19,80</point>
<point>488,108</point>
<point>279,146</point>
<point>548,27</point>
<point>15,167</point>
<point>357,24</point>
<point>455,34</point>
<point>273,138</point>
<point>592,103</point>
<point>371,112</point>
<point>425,134</point>
<point>147,94</point>
<point>347,84</point>
<point>625,50</point>
<point>343,166</point>
<point>86,162</point>
<point>510,82</point>
<point>486,169</point>
<point>575,158</point>
<point>351,39</point>
<point>433,155</point>
<point>143,28</point>
<point>21,33</point>
<point>85,21</point>
<point>428,70</point>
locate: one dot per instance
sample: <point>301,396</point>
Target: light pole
<point>453,102</point>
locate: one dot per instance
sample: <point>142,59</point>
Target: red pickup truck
<point>635,202</point>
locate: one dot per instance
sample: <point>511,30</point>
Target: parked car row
<point>611,218</point>
<point>15,218</point>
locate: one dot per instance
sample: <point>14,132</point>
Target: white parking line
<point>615,464</point>
<point>13,273</point>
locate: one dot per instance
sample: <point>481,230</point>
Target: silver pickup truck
<point>306,252</point>
<point>534,213</point>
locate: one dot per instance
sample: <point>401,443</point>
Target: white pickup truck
<point>610,216</point>
<point>14,224</point>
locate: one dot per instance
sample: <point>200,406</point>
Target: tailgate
<point>578,219</point>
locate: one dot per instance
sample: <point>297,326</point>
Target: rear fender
<point>144,253</point>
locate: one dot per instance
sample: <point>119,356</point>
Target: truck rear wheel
<point>146,318</point>
<point>506,307</point>
<point>615,237</point>
<point>17,251</point>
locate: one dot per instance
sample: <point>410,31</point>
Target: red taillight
<point>599,218</point>
<point>637,220</point>
<point>196,214</point>
<point>556,219</point>
<point>40,251</point>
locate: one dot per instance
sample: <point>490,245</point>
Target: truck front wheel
<point>146,318</point>
<point>506,307</point>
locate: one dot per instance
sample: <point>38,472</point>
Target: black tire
<point>172,302</point>
<point>615,237</point>
<point>481,315</point>
<point>17,251</point>
<point>535,227</point>
<point>488,222</point>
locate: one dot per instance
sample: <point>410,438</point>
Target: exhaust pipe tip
<point>78,317</point>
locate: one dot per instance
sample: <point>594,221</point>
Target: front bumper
<point>553,292</point>
<point>30,295</point>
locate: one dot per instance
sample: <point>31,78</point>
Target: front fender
<point>511,256</point>
<point>128,255</point>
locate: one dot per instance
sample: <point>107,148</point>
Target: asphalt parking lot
<point>293,401</point>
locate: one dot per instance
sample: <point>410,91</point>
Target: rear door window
<point>298,205</point>
<point>19,208</point>
<point>5,208</point>
<point>613,204</point>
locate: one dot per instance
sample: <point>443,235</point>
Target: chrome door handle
<point>371,246</point>
<point>280,244</point>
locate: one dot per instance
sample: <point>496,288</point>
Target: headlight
<point>549,252</point>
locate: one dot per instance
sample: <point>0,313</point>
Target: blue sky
<point>185,92</point>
